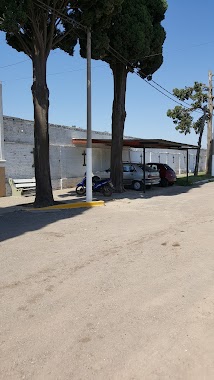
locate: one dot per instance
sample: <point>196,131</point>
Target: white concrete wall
<point>66,160</point>
<point>174,158</point>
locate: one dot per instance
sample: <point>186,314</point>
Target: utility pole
<point>210,153</point>
<point>89,141</point>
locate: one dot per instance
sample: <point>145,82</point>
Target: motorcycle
<point>103,186</point>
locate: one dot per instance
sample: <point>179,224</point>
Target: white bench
<point>20,186</point>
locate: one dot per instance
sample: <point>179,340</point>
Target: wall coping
<point>73,128</point>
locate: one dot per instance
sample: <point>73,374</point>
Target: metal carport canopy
<point>140,143</point>
<point>144,143</point>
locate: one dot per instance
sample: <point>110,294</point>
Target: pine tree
<point>133,42</point>
<point>182,115</point>
<point>36,27</point>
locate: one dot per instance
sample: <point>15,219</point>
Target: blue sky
<point>188,56</point>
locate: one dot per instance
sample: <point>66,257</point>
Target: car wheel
<point>137,185</point>
<point>164,182</point>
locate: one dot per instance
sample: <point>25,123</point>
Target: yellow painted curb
<point>70,205</point>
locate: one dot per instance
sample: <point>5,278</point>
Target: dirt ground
<point>119,292</point>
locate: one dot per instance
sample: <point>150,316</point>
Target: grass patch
<point>182,180</point>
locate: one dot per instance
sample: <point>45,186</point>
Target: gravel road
<point>120,292</point>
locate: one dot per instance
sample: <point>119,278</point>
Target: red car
<point>167,174</point>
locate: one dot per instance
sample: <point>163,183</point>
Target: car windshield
<point>167,167</point>
<point>148,169</point>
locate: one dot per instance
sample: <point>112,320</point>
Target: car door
<point>162,170</point>
<point>128,174</point>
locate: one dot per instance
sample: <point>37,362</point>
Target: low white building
<point>67,160</point>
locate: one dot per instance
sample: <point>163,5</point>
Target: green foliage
<point>97,15</point>
<point>10,12</point>
<point>133,30</point>
<point>197,94</point>
<point>30,27</point>
<point>182,116</point>
<point>192,179</point>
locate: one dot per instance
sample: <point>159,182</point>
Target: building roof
<point>140,143</point>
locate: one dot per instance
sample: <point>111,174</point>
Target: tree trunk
<point>40,92</point>
<point>198,150</point>
<point>118,119</point>
<point>199,141</point>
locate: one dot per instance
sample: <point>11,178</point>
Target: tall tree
<point>135,38</point>
<point>182,115</point>
<point>35,30</point>
<point>35,27</point>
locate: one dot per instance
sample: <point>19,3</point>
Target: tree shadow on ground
<point>18,220</point>
<point>154,191</point>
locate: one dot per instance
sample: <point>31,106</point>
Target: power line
<point>62,15</point>
<point>192,46</point>
<point>57,73</point>
<point>17,63</point>
<point>85,28</point>
<point>125,61</point>
<point>146,56</point>
<point>14,64</point>
<point>42,5</point>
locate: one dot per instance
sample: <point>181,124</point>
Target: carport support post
<point>144,172</point>
<point>89,141</point>
<point>187,166</point>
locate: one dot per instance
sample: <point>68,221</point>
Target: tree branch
<point>57,40</point>
<point>35,26</point>
<point>53,19</point>
<point>26,48</point>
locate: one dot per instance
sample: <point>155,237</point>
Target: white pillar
<point>179,163</point>
<point>89,140</point>
<point>60,162</point>
<point>1,127</point>
<point>2,157</point>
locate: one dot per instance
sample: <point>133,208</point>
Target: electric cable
<point>125,61</point>
<point>51,74</point>
<point>44,6</point>
<point>14,64</point>
<point>114,52</point>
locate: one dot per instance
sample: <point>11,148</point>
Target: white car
<point>133,175</point>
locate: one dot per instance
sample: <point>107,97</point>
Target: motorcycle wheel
<point>107,191</point>
<point>80,190</point>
